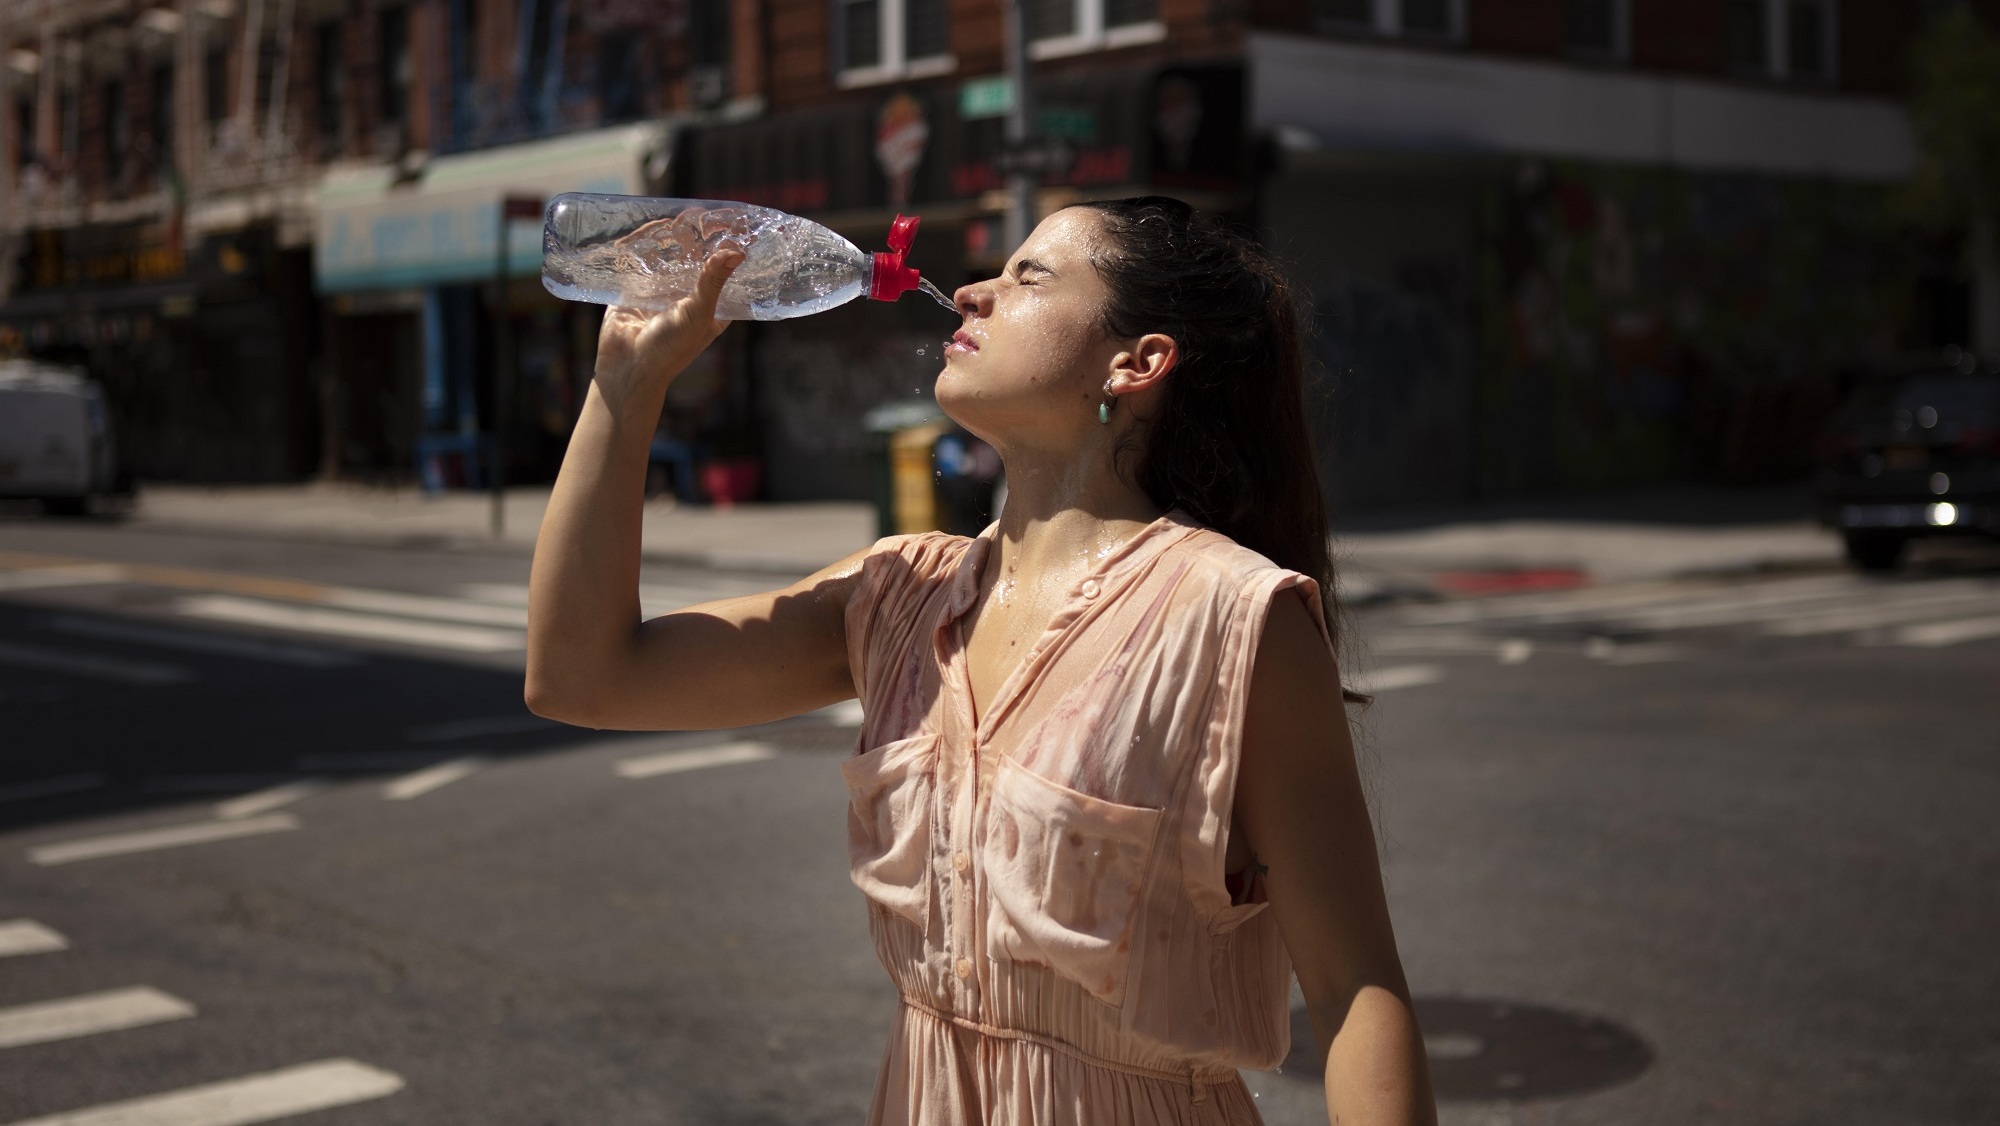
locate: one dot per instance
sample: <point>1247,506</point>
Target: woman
<point>1105,800</point>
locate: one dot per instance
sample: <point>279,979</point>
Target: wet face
<point>1030,362</point>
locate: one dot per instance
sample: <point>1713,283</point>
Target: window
<point>330,87</point>
<point>1600,29</point>
<point>163,116</point>
<point>215,84</point>
<point>394,59</point>
<point>117,133</point>
<point>1070,27</point>
<point>884,40</point>
<point>1791,40</point>
<point>1412,19</point>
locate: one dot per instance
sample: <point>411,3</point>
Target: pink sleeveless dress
<point>1046,885</point>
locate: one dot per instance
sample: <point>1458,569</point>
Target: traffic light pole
<point>1020,119</point>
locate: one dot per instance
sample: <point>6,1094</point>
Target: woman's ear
<point>1145,365</point>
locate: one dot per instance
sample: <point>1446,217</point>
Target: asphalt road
<point>1718,852</point>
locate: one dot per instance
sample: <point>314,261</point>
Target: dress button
<point>1090,588</point>
<point>962,862</point>
<point>964,968</point>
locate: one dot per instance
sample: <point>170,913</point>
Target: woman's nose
<point>973,300</point>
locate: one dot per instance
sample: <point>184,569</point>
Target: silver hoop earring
<point>1104,408</point>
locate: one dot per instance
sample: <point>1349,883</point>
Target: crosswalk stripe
<point>264,801</point>
<point>78,574</point>
<point>427,606</point>
<point>26,936</point>
<point>113,1010</point>
<point>246,648</point>
<point>1394,677</point>
<point>1735,607</point>
<point>117,670</point>
<point>148,840</point>
<point>1905,610</point>
<point>674,762</point>
<point>347,623</point>
<point>240,1102</point>
<point>1936,635</point>
<point>424,781</point>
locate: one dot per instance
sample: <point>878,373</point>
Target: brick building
<point>1549,243</point>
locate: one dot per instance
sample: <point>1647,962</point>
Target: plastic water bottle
<point>647,252</point>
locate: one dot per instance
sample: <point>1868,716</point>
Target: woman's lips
<point>961,342</point>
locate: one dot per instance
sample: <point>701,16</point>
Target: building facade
<point>1549,244</point>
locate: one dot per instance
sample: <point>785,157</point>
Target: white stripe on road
<point>110,1011</point>
<point>26,936</point>
<point>147,840</point>
<point>1912,608</point>
<point>49,787</point>
<point>240,1102</point>
<point>264,801</point>
<point>673,762</point>
<point>1940,634</point>
<point>1738,608</point>
<point>427,606</point>
<point>1395,677</point>
<point>82,574</point>
<point>424,781</point>
<point>117,670</point>
<point>214,644</point>
<point>345,623</point>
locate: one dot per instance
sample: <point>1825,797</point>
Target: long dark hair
<point>1229,444</point>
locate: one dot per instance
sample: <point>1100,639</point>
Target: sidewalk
<point>1546,545</point>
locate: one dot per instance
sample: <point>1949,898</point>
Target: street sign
<point>1042,156</point>
<point>985,97</point>
<point>1071,123</point>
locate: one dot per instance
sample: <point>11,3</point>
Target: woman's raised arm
<point>591,660</point>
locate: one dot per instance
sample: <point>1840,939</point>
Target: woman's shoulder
<point>921,551</point>
<point>1223,560</point>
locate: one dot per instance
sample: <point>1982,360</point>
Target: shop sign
<point>901,132</point>
<point>986,97</point>
<point>111,254</point>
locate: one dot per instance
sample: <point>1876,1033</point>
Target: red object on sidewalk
<point>1477,583</point>
<point>731,482</point>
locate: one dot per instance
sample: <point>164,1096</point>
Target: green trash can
<point>900,434</point>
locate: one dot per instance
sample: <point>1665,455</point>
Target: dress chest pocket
<point>1064,873</point>
<point>889,824</point>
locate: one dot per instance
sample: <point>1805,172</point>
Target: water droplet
<point>920,351</point>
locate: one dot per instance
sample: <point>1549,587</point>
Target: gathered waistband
<point>1192,1075</point>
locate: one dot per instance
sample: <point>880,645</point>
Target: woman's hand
<point>639,352</point>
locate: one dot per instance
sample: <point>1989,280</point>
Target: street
<point>276,828</point>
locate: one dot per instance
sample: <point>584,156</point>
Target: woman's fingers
<point>714,275</point>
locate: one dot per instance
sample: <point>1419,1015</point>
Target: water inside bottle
<point>936,294</point>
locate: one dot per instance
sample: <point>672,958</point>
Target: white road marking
<point>147,840</point>
<point>264,801</point>
<point>673,762</point>
<point>1515,651</point>
<point>1940,634</point>
<point>1631,604</point>
<point>49,787</point>
<point>110,1011</point>
<point>1394,677</point>
<point>1926,604</point>
<point>26,936</point>
<point>82,574</point>
<point>1737,608</point>
<point>240,1102</point>
<point>433,607</point>
<point>431,778</point>
<point>247,648</point>
<point>347,623</point>
<point>485,725</point>
<point>117,670</point>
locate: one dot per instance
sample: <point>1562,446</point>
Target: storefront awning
<point>439,226</point>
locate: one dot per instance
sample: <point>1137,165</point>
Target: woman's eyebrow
<point>1026,264</point>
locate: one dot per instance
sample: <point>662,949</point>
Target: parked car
<point>1911,454</point>
<point>55,438</point>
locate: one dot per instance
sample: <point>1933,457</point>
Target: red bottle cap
<point>891,279</point>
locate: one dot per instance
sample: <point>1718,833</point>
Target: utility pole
<point>1020,126</point>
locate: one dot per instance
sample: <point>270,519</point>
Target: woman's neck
<point>1063,519</point>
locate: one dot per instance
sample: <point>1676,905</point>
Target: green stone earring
<point>1104,408</point>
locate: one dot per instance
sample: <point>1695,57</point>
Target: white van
<point>55,438</point>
